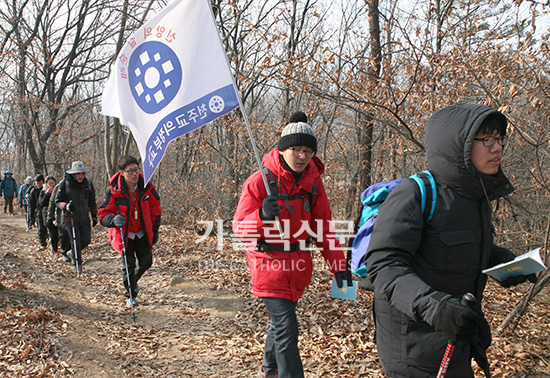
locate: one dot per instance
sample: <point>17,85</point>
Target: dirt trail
<point>177,319</point>
<point>196,316</point>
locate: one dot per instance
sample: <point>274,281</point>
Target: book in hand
<point>346,292</point>
<point>525,264</point>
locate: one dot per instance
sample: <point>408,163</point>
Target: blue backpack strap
<point>428,191</point>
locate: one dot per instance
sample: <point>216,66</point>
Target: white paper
<point>527,263</point>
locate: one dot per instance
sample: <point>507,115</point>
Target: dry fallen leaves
<point>197,317</point>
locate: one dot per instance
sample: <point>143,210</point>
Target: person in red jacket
<point>281,267</point>
<point>134,207</point>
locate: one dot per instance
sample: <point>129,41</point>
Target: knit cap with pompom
<point>297,133</point>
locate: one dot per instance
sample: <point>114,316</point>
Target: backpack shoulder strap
<point>428,191</point>
<point>274,188</point>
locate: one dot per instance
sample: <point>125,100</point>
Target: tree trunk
<point>366,122</point>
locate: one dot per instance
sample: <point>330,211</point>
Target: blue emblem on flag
<point>154,76</point>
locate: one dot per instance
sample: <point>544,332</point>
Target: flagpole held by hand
<point>252,140</point>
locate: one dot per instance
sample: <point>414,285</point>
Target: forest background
<point>368,74</point>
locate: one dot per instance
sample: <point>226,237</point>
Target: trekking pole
<point>467,299</point>
<point>75,248</point>
<point>127,274</point>
<point>27,217</point>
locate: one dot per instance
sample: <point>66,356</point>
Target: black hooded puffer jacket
<point>414,266</point>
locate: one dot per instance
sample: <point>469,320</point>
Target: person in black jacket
<point>44,200</point>
<point>55,217</point>
<point>76,197</point>
<point>419,270</point>
<point>36,210</point>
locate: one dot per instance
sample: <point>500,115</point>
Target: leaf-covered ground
<point>197,317</point>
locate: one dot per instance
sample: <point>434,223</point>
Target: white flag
<point>170,78</point>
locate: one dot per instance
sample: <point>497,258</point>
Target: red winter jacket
<point>284,274</point>
<point>117,201</point>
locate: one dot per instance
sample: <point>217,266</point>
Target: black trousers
<point>64,239</point>
<point>83,234</point>
<point>42,229</point>
<point>54,236</point>
<point>136,249</point>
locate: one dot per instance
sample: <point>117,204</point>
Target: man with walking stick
<point>132,212</point>
<point>76,197</point>
<point>422,271</point>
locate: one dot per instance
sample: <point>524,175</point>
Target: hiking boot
<point>269,374</point>
<point>66,257</point>
<point>130,302</point>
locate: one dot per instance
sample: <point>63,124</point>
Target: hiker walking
<point>36,209</point>
<point>420,270</point>
<point>8,188</point>
<point>21,198</point>
<point>56,225</point>
<point>76,197</point>
<point>44,200</point>
<point>281,269</point>
<point>133,207</point>
<point>24,200</point>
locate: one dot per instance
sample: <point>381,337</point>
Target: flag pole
<point>245,117</point>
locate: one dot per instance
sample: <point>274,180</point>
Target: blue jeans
<point>281,345</point>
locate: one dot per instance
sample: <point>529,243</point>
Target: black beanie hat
<point>297,133</point>
<point>39,177</point>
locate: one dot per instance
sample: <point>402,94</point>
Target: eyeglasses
<point>299,152</point>
<point>132,171</point>
<point>490,141</point>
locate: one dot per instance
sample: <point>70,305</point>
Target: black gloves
<point>94,221</point>
<point>270,208</point>
<point>70,207</point>
<point>118,220</point>
<point>341,276</point>
<point>516,280</point>
<point>456,321</point>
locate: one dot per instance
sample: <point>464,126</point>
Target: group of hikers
<point>419,270</point>
<point>65,213</point>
